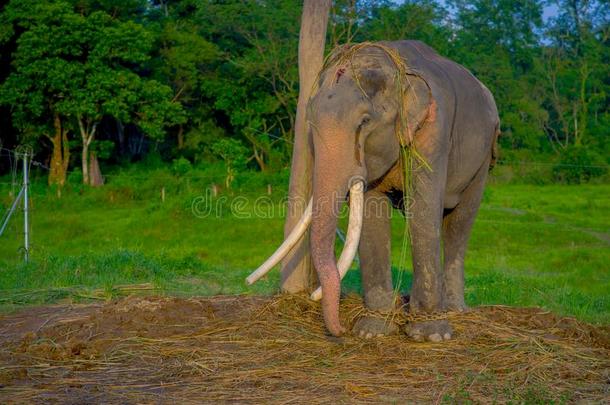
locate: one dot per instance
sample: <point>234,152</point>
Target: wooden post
<point>297,273</point>
<point>162,194</point>
<point>269,190</point>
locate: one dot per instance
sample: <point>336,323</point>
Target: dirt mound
<point>249,349</point>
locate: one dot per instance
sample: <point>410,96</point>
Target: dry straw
<point>275,350</point>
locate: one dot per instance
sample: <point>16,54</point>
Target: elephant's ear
<point>418,107</point>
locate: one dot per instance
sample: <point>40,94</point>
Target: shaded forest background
<point>96,85</point>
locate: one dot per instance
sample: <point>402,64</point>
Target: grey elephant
<point>372,102</point>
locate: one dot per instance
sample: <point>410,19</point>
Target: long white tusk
<point>285,247</point>
<point>354,227</point>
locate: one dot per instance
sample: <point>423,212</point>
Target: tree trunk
<point>584,105</point>
<point>297,273</point>
<point>260,159</point>
<point>85,163</point>
<point>87,132</point>
<point>60,156</point>
<point>95,174</point>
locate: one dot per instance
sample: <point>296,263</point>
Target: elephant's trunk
<point>332,178</point>
<point>336,170</point>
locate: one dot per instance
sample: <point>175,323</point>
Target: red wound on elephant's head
<point>340,72</point>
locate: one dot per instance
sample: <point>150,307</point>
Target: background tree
<point>576,72</point>
<point>233,153</point>
<point>256,85</point>
<point>125,72</point>
<point>420,19</point>
<point>497,40</point>
<point>71,70</point>
<point>185,61</point>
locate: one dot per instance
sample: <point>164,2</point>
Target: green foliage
<point>103,149</point>
<point>200,137</point>
<point>200,71</point>
<point>257,83</point>
<point>181,166</point>
<point>75,177</point>
<point>579,165</point>
<point>233,153</point>
<point>81,67</point>
<point>420,20</point>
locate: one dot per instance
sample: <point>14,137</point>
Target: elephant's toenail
<point>447,336</point>
<point>369,335</point>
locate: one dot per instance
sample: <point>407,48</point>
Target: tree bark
<point>60,156</point>
<point>584,105</point>
<point>95,174</point>
<point>297,273</point>
<point>85,163</point>
<point>87,132</point>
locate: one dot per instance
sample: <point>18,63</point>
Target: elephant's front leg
<point>374,251</point>
<point>427,293</point>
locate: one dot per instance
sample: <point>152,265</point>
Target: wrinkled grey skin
<point>453,123</point>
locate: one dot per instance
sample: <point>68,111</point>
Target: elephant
<point>360,121</point>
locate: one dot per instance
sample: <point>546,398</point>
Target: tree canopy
<point>182,77</point>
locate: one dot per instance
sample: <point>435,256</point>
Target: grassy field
<point>546,246</point>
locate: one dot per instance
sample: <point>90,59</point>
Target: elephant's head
<point>353,118</point>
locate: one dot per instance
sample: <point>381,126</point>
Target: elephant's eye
<point>365,120</point>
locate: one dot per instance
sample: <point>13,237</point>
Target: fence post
<point>26,207</point>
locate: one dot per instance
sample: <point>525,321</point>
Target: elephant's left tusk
<point>356,212</point>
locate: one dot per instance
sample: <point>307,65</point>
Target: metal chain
<point>401,316</point>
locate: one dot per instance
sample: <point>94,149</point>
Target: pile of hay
<point>274,349</point>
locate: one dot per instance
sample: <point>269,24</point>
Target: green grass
<point>546,246</point>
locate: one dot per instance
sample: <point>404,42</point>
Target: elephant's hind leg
<point>457,225</point>
<point>374,251</point>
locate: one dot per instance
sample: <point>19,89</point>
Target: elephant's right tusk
<point>285,247</point>
<point>356,211</point>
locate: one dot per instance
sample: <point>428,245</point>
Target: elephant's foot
<point>432,331</point>
<point>371,326</point>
